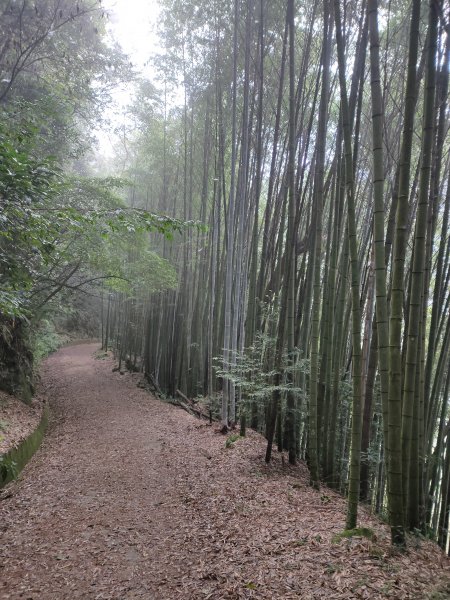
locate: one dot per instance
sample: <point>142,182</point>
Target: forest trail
<point>90,517</point>
<point>132,498</point>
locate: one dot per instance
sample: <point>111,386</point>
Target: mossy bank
<point>13,461</point>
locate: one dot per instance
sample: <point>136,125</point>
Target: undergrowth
<point>229,443</point>
<point>47,340</point>
<point>357,532</point>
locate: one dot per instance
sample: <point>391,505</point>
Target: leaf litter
<point>132,498</point>
<point>17,420</point>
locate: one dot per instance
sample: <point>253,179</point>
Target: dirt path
<point>132,498</point>
<point>91,516</point>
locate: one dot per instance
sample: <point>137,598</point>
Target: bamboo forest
<point>224,299</point>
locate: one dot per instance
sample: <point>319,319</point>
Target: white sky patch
<point>133,24</point>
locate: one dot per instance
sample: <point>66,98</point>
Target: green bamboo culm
<point>290,273</point>
<point>394,454</point>
<point>316,256</point>
<point>410,393</point>
<point>379,212</point>
<point>355,451</point>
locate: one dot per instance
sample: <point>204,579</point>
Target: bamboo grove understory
<point>313,142</point>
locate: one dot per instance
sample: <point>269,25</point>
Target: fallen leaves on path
<point>133,498</point>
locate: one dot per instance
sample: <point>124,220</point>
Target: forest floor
<point>132,498</point>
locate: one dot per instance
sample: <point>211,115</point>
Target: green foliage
<point>252,373</point>
<point>46,340</point>
<point>59,58</point>
<point>51,222</point>
<point>11,304</point>
<point>131,267</point>
<point>26,184</point>
<point>23,177</point>
<point>234,437</point>
<point>250,585</point>
<point>8,468</point>
<point>357,532</point>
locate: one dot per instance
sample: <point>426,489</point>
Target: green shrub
<point>231,439</point>
<point>46,340</point>
<point>357,532</point>
<point>8,468</point>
